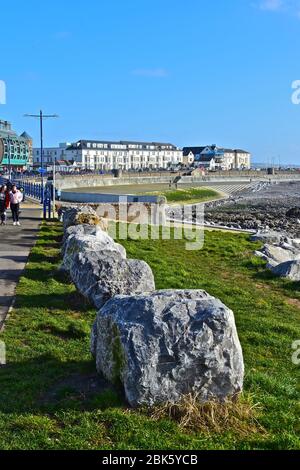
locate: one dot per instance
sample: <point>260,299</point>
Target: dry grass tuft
<point>238,415</point>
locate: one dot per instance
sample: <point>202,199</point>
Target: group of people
<point>10,198</point>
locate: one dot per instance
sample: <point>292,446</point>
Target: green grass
<point>190,195</point>
<point>46,398</point>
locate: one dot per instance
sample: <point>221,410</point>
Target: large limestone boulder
<point>289,270</point>
<point>267,236</point>
<point>163,345</point>
<point>79,231</point>
<point>296,243</point>
<point>83,215</point>
<point>98,243</point>
<point>101,275</point>
<point>275,255</point>
<point>292,246</point>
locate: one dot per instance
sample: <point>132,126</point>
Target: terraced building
<point>20,148</point>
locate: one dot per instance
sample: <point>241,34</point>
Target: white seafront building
<point>50,155</point>
<point>212,157</point>
<point>103,155</point>
<point>96,155</point>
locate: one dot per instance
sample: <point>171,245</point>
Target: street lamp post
<point>41,116</point>
<point>9,157</point>
<point>54,185</point>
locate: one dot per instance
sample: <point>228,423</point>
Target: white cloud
<point>156,73</point>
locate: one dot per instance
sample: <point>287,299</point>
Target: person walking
<point>4,203</point>
<point>16,197</point>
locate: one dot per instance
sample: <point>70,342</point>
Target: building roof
<point>228,150</point>
<point>82,144</point>
<point>241,151</point>
<point>194,150</point>
<point>235,151</point>
<point>213,148</point>
<point>13,136</point>
<point>7,132</point>
<point>26,136</point>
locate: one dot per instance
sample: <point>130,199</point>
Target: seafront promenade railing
<point>33,190</point>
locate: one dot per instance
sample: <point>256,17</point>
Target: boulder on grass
<point>166,344</point>
<point>289,270</point>
<point>296,243</point>
<point>98,243</point>
<point>83,215</point>
<point>101,275</point>
<point>267,236</point>
<point>275,255</point>
<point>79,231</point>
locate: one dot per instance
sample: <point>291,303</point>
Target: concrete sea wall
<point>86,198</point>
<point>98,181</point>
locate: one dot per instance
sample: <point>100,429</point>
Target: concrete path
<point>15,246</point>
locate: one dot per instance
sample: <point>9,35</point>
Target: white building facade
<point>101,155</point>
<point>242,159</point>
<point>50,155</point>
<point>225,159</point>
<point>95,155</point>
<point>236,160</point>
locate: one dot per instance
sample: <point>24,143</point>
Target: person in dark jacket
<point>4,203</point>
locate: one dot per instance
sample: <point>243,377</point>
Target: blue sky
<point>186,71</point>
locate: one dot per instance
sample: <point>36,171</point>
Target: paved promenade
<point>15,246</point>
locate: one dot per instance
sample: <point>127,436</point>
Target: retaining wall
<point>96,198</point>
<point>98,181</point>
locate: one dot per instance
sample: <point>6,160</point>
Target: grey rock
<point>99,243</point>
<point>290,246</point>
<point>277,254</point>
<point>167,344</point>
<point>295,243</point>
<point>267,236</point>
<point>270,262</point>
<point>99,276</point>
<point>79,231</point>
<point>289,270</point>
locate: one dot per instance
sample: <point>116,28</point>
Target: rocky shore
<point>275,207</point>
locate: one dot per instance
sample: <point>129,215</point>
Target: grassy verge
<point>52,399</point>
<point>188,196</point>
